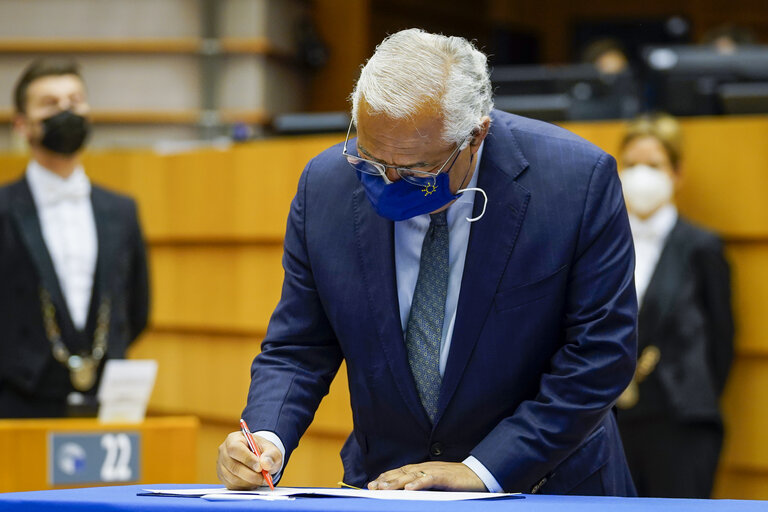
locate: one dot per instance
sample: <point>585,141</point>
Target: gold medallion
<point>82,372</point>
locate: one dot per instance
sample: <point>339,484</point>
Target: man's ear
<point>20,125</point>
<point>479,134</point>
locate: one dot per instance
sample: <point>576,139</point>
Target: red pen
<point>255,449</point>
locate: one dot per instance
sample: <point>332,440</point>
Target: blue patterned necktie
<point>425,323</point>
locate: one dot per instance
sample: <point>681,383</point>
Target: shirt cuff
<point>483,474</point>
<point>272,438</point>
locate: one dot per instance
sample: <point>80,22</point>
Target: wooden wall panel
<point>208,375</point>
<point>746,415</point>
<point>239,194</point>
<point>725,179</point>
<point>744,485</point>
<point>743,471</point>
<point>316,460</point>
<point>749,274</point>
<point>229,288</point>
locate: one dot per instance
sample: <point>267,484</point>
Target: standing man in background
<point>73,273</point>
<point>475,271</point>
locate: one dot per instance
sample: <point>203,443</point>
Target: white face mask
<point>646,189</point>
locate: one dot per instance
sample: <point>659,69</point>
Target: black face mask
<point>65,132</point>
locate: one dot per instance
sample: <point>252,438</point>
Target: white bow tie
<point>75,188</point>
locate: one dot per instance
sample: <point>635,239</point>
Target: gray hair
<point>412,69</point>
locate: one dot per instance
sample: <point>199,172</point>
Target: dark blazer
<point>686,313</point>
<point>32,383</point>
<point>544,338</point>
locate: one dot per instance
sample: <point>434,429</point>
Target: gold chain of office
<point>82,368</point>
<point>646,363</point>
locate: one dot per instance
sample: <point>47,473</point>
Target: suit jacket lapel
<point>28,222</point>
<point>490,245</point>
<point>376,250</point>
<point>665,284</point>
<point>107,226</point>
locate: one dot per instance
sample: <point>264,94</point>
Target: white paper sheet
<point>246,497</point>
<point>220,493</point>
<point>126,386</point>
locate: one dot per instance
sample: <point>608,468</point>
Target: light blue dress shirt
<point>409,236</point>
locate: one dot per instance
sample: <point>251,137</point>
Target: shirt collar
<point>49,188</point>
<point>657,226</point>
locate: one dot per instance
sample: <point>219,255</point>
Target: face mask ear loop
<point>485,202</point>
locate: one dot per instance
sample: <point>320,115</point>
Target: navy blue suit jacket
<point>544,339</point>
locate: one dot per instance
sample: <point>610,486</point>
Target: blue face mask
<point>402,200</point>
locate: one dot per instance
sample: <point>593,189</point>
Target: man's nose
<point>392,174</point>
<point>65,104</point>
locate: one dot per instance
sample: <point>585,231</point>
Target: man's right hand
<point>239,468</point>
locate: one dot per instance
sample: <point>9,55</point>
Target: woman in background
<point>669,415</point>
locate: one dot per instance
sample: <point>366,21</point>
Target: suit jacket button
<point>436,449</point>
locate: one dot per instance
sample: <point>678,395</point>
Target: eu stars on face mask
<point>404,199</point>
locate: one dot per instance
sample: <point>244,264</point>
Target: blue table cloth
<point>124,498</point>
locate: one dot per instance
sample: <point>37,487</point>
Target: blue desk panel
<point>123,498</point>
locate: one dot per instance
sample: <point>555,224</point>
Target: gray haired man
<point>474,270</point>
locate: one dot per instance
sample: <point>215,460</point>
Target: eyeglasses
<point>414,176</point>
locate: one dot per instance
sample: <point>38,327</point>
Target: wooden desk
<point>167,454</point>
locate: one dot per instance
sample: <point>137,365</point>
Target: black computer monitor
<point>565,92</point>
<point>698,80</point>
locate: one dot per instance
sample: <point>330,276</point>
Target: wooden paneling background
<point>214,221</point>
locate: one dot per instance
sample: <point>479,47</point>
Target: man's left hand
<point>444,476</point>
